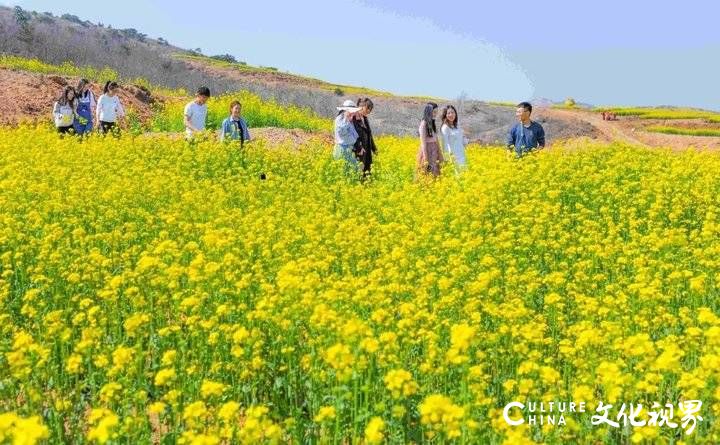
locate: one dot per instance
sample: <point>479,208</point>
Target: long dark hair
<point>63,99</point>
<point>109,85</point>
<point>444,116</point>
<point>428,118</point>
<point>81,85</point>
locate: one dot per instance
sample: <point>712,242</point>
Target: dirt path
<point>632,130</point>
<point>608,130</point>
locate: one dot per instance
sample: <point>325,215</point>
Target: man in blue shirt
<point>526,135</point>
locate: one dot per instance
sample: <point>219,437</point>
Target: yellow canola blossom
<point>156,290</point>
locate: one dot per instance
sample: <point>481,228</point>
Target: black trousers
<point>108,126</point>
<point>366,159</point>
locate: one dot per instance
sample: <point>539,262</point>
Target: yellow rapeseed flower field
<point>257,112</point>
<point>155,291</point>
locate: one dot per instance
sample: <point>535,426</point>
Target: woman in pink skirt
<point>429,156</point>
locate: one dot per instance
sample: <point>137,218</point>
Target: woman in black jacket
<point>365,146</point>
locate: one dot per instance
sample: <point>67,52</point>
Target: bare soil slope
<point>29,97</point>
<point>132,55</point>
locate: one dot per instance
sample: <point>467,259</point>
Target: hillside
<point>32,96</point>
<point>134,55</point>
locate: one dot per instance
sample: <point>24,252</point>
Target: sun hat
<point>350,106</point>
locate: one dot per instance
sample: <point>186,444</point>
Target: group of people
<point>76,110</point>
<point>233,128</point>
<point>354,143</point>
<point>609,116</point>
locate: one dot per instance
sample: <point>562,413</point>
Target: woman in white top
<point>65,111</point>
<point>109,108</point>
<point>453,138</point>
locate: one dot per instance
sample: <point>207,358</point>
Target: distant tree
<point>198,50</point>
<point>133,33</point>
<point>339,92</point>
<point>42,18</point>
<point>162,41</point>
<point>22,17</point>
<point>225,58</point>
<point>570,102</point>
<point>75,19</point>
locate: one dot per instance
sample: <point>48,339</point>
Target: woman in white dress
<point>453,139</point>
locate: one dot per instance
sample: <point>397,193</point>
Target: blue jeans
<point>345,153</point>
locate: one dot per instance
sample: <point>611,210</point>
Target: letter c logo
<point>506,413</point>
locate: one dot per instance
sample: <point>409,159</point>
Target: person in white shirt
<point>65,111</point>
<point>109,109</point>
<point>196,112</point>
<point>453,138</point>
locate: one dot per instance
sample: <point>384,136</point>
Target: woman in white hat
<point>346,135</point>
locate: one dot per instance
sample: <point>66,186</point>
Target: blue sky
<point>603,52</point>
